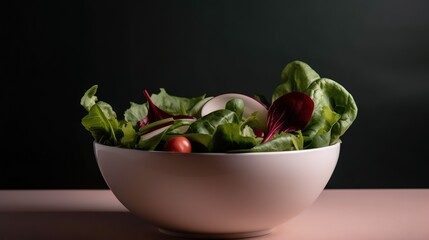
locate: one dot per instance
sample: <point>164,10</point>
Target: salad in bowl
<point>226,166</point>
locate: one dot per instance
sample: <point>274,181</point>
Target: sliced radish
<point>153,133</point>
<point>155,128</point>
<point>159,126</point>
<point>251,105</point>
<point>185,127</point>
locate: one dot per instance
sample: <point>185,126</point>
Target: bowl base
<point>214,235</point>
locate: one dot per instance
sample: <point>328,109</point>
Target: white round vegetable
<point>251,105</point>
<point>155,131</point>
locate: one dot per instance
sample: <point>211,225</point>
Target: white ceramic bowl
<point>216,195</point>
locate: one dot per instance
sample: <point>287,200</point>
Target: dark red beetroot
<point>290,112</point>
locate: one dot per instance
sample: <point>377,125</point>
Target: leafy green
<point>178,105</point>
<point>318,130</point>
<point>180,126</point>
<point>102,129</point>
<point>89,99</point>
<point>155,125</point>
<point>228,137</point>
<point>135,113</point>
<point>334,107</point>
<point>335,110</point>
<point>296,76</point>
<point>290,123</point>
<point>130,135</point>
<point>102,123</point>
<point>152,143</point>
<point>280,142</point>
<point>251,121</point>
<point>208,123</point>
<point>201,138</point>
<point>236,105</point>
<point>154,112</point>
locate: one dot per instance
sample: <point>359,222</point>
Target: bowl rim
<point>289,152</point>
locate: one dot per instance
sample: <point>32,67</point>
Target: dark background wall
<point>53,51</point>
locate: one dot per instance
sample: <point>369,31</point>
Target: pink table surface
<point>347,214</point>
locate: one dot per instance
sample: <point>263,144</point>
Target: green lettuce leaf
<point>102,128</point>
<point>135,113</point>
<point>296,76</point>
<point>152,143</point>
<point>228,137</point>
<point>318,131</point>
<point>89,99</point>
<point>280,142</point>
<point>327,93</point>
<point>208,123</point>
<point>130,135</point>
<point>236,105</point>
<point>178,105</point>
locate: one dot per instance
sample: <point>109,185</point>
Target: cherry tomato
<point>178,144</point>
